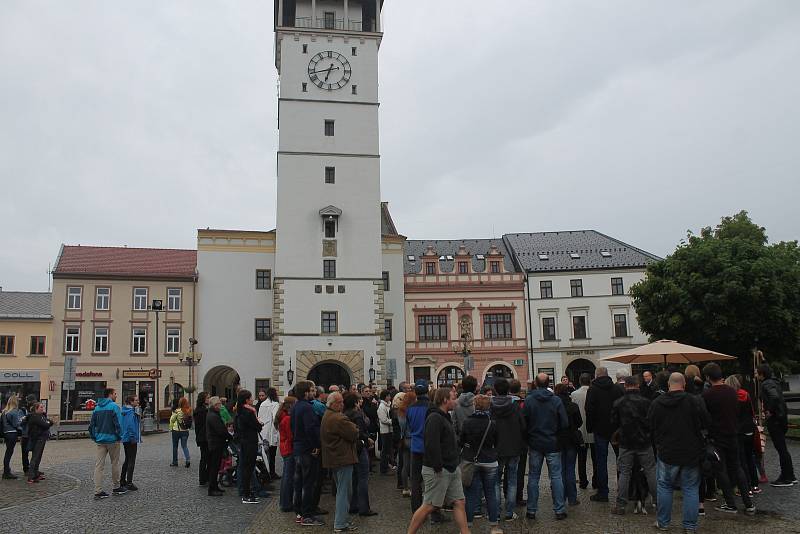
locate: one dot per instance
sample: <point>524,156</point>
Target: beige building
<point>26,327</point>
<point>103,314</point>
<point>463,290</point>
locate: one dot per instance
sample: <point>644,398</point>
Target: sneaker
<point>711,498</point>
<point>369,513</point>
<point>32,481</point>
<point>598,498</point>
<point>298,519</point>
<point>756,490</point>
<point>478,515</point>
<point>311,522</point>
<point>174,464</point>
<point>530,515</point>
<point>781,483</point>
<point>701,512</point>
<point>659,527</point>
<point>562,515</point>
<point>131,487</point>
<point>188,464</point>
<point>122,490</point>
<point>349,528</point>
<point>406,493</point>
<point>794,481</point>
<point>725,508</point>
<point>750,510</point>
<point>511,517</point>
<point>9,476</point>
<point>101,495</point>
<point>250,500</point>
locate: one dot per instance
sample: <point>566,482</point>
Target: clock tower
<point>328,315</point>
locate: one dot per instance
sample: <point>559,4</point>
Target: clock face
<point>329,70</point>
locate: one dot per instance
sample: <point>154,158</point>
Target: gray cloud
<point>136,123</point>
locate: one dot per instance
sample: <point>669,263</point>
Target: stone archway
<point>328,373</point>
<point>221,381</point>
<point>577,367</point>
<point>351,360</point>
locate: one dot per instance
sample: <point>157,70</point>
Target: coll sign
<point>19,376</point>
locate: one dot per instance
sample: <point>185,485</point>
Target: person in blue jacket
<point>131,437</point>
<point>415,419</point>
<point>305,425</point>
<point>105,429</point>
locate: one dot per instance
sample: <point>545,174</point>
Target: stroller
<point>228,472</point>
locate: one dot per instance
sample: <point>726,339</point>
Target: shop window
<point>449,375</point>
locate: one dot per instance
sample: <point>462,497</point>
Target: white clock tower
<point>328,312</point>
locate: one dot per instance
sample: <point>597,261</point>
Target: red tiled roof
<point>122,261</point>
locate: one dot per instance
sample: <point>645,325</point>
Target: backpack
<point>185,422</point>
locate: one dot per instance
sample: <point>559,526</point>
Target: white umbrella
<point>667,351</point>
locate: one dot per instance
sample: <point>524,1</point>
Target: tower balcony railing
<point>327,23</point>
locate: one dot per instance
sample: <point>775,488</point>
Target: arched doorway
<point>327,374</point>
<point>221,381</point>
<point>449,375</point>
<point>577,367</point>
<point>500,371</point>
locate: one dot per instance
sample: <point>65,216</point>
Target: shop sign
<point>155,373</point>
<point>89,374</point>
<point>519,362</point>
<point>580,352</point>
<point>16,375</point>
<point>136,373</point>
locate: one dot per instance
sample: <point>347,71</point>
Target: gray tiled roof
<point>449,248</point>
<point>25,305</point>
<point>586,243</point>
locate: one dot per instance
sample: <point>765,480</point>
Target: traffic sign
<point>70,366</point>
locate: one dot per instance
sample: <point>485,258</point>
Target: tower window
<point>329,322</point>
<point>329,128</point>
<point>355,51</point>
<point>330,20</point>
<point>355,89</point>
<point>305,87</point>
<point>329,269</point>
<point>305,49</point>
<point>330,175</point>
<point>330,229</point>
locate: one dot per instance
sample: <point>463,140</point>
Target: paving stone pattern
<point>170,501</point>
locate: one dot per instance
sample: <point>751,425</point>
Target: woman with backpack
<point>179,425</point>
<point>248,428</point>
<point>269,435</point>
<point>11,423</point>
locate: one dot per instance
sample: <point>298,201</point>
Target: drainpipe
<point>530,325</point>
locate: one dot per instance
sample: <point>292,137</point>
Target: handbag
<point>468,466</point>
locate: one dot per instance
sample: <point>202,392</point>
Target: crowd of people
<point>459,448</point>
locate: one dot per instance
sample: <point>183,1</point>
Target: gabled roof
<point>447,248</point>
<point>574,251</point>
<point>25,305</point>
<point>124,262</point>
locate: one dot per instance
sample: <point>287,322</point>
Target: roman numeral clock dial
<point>329,70</point>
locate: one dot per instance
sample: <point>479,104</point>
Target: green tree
<point>724,289</point>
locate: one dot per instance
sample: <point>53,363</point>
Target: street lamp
<point>371,370</point>
<point>157,306</point>
<point>192,360</point>
<point>290,374</point>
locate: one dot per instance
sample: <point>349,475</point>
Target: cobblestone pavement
<point>170,501</point>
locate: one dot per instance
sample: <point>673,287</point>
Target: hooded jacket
<point>630,415</point>
<point>599,401</point>
<point>416,415</point>
<point>465,406</point>
<point>745,418</point>
<point>544,416</point>
<point>678,420</point>
<point>106,424</point>
<point>511,428</point>
<point>772,396</point>
<point>131,430</point>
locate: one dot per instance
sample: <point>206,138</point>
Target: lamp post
<point>290,374</point>
<point>371,370</point>
<point>157,307</point>
<point>192,360</point>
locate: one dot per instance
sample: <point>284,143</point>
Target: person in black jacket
<point>777,423</point>
<point>629,413</point>
<point>678,421</point>
<point>599,401</point>
<point>217,438</point>
<point>359,500</point>
<point>248,428</point>
<point>511,440</point>
<point>200,414</point>
<point>570,438</point>
<point>440,465</point>
<point>38,434</point>
<point>478,442</point>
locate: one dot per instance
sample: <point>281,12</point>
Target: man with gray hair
<point>599,402</point>
<point>338,436</point>
<point>678,420</point>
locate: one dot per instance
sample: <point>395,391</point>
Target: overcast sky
<point>135,123</point>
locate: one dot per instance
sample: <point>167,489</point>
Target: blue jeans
<point>568,459</point>
<point>509,466</point>
<point>601,465</point>
<point>359,500</point>
<point>535,459</point>
<point>484,482</point>
<point>180,436</point>
<point>689,480</point>
<point>344,480</point>
<point>287,484</point>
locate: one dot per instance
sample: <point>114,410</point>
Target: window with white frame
<point>263,279</point>
<point>101,339</point>
<point>139,341</point>
<point>72,339</point>
<point>173,340</point>
<point>174,297</point>
<point>330,322</point>
<point>74,297</point>
<point>102,298</point>
<point>140,298</point>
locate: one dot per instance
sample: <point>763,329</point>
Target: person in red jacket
<point>283,423</point>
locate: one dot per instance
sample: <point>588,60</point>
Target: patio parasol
<point>667,351</point>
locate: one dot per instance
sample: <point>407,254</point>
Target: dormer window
<point>463,267</point>
<point>575,255</point>
<point>430,267</point>
<point>494,266</point>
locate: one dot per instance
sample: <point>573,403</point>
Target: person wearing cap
<point>217,436</point>
<point>629,413</point>
<point>415,420</point>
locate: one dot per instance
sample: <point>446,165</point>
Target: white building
<point>579,309</point>
<point>327,311</point>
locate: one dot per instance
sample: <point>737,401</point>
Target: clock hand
<point>330,69</point>
<point>323,70</point>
